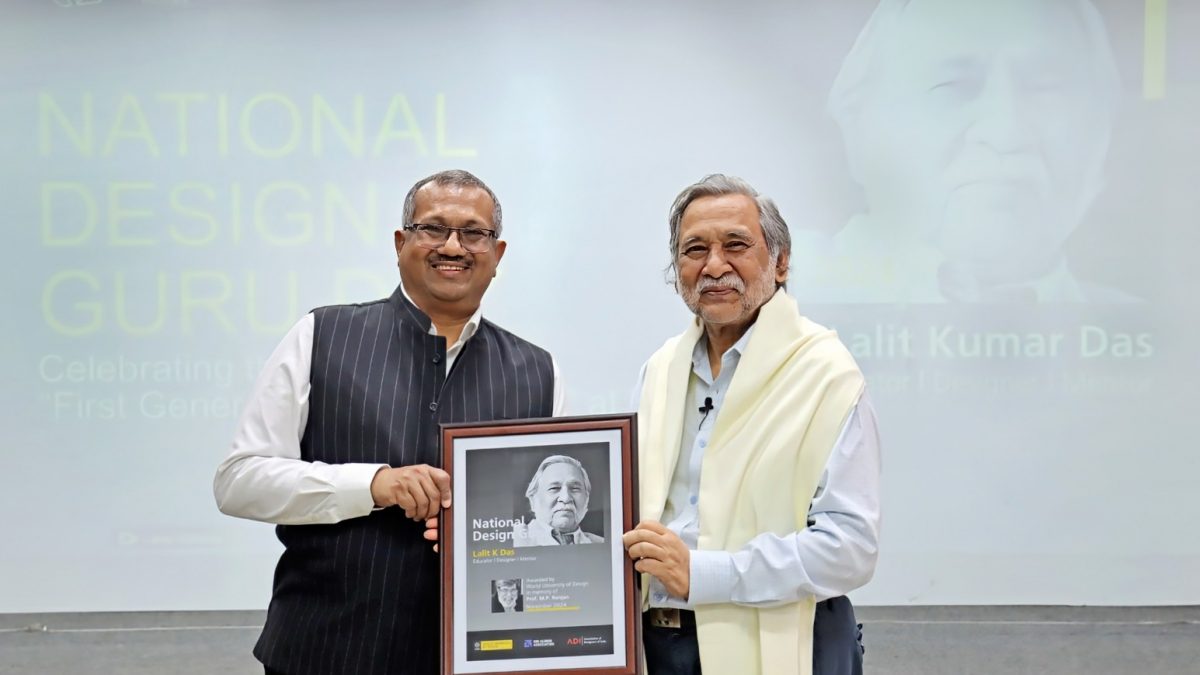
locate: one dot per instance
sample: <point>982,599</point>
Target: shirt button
<point>694,499</point>
<point>433,406</point>
<point>703,442</point>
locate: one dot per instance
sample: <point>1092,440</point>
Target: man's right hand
<point>431,532</point>
<point>421,490</point>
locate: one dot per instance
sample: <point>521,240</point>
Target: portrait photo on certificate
<point>534,574</point>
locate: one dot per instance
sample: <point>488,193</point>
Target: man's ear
<point>501,246</point>
<point>781,268</point>
<point>399,237</point>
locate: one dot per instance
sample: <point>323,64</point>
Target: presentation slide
<point>995,204</point>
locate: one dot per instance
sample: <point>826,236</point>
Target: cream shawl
<point>793,390</point>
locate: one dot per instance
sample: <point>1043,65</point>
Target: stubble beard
<point>750,297</point>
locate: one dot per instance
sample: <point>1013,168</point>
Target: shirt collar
<point>1059,285</point>
<point>469,329</point>
<point>548,531</point>
<point>700,364</point>
<point>913,267</point>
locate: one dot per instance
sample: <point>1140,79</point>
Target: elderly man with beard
<point>558,495</point>
<point>758,460</point>
<point>978,132</point>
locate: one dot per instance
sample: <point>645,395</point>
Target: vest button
<point>437,359</point>
<point>433,406</point>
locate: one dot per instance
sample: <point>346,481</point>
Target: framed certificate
<point>534,576</point>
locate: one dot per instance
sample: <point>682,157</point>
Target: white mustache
<point>728,281</point>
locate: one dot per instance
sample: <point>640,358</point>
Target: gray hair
<point>451,178</point>
<point>775,230</point>
<point>854,78</point>
<point>508,583</point>
<point>557,459</point>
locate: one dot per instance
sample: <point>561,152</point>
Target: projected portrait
<point>558,495</point>
<point>978,132</point>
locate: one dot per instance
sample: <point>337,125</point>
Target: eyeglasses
<point>430,235</point>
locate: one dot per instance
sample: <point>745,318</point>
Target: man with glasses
<point>506,596</point>
<point>758,460</point>
<point>338,445</point>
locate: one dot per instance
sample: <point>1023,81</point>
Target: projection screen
<point>993,203</point>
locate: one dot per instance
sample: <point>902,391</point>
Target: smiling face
<point>507,592</point>
<point>725,269</point>
<point>448,279</point>
<point>561,498</point>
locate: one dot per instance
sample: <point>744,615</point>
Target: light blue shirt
<point>835,554</point>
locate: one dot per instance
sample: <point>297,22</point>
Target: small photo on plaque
<point>506,596</point>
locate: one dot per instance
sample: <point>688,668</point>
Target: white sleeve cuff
<point>352,486</point>
<point>659,597</point>
<point>712,577</point>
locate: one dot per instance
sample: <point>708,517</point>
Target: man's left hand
<point>659,552</point>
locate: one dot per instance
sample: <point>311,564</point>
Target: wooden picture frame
<point>534,576</point>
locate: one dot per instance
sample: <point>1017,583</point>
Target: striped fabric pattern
<point>361,596</point>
